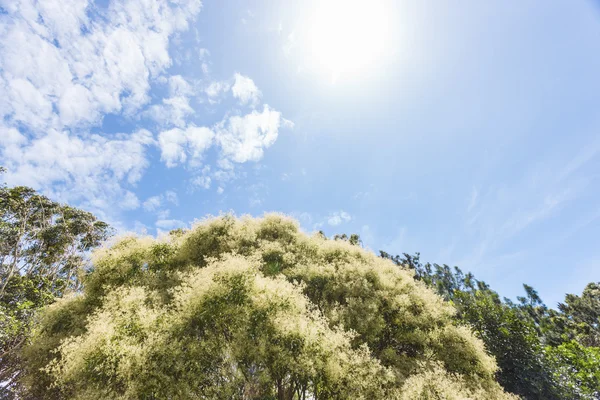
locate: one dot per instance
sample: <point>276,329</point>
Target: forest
<point>253,308</point>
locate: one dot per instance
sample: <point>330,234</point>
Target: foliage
<point>577,367</point>
<point>253,309</point>
<point>42,250</point>
<point>579,316</point>
<point>541,353</point>
<point>509,337</point>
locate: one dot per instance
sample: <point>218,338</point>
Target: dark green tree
<point>579,317</point>
<point>43,247</point>
<point>510,332</point>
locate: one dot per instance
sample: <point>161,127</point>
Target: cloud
<point>503,216</point>
<point>256,194</point>
<point>245,90</point>
<point>175,109</point>
<point>215,90</point>
<point>589,152</point>
<point>170,224</point>
<point>202,181</point>
<point>473,199</point>
<point>178,86</point>
<point>305,219</point>
<point>244,138</point>
<point>130,201</point>
<point>72,169</point>
<point>66,64</point>
<point>240,138</point>
<point>172,197</point>
<point>155,202</point>
<point>338,217</point>
<point>181,145</point>
<point>152,203</point>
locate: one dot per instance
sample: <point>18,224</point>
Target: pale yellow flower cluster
<point>253,309</point>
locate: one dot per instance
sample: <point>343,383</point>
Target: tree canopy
<point>43,249</point>
<point>541,353</point>
<point>253,309</point>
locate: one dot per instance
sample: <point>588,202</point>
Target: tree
<point>43,246</point>
<point>514,342</point>
<point>580,316</point>
<point>577,368</point>
<point>511,333</point>
<point>353,239</point>
<point>253,309</point>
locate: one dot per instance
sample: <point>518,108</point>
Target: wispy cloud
<point>170,224</point>
<point>154,203</point>
<point>498,215</point>
<point>473,199</point>
<point>338,217</point>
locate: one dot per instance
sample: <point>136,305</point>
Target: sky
<point>467,131</point>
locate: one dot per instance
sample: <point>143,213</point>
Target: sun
<point>348,37</point>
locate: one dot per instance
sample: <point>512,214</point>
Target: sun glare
<point>348,37</point>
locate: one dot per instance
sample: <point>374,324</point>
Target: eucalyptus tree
<point>43,250</point>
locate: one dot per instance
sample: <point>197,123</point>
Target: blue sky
<point>468,131</point>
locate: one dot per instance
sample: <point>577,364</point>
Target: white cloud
<point>178,144</point>
<point>178,86</point>
<point>163,214</point>
<point>244,138</point>
<point>257,193</point>
<point>361,195</point>
<point>338,217</point>
<point>172,197</point>
<point>305,219</point>
<point>152,203</point>
<point>240,138</point>
<point>473,199</point>
<point>155,202</point>
<point>72,169</point>
<point>202,181</point>
<point>216,89</point>
<point>130,201</point>
<point>170,223</point>
<point>64,64</point>
<point>245,90</point>
<point>140,228</point>
<point>500,220</point>
<point>172,111</point>
<point>175,109</point>
<point>220,190</point>
<point>55,56</point>
<point>290,44</point>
